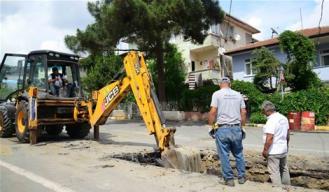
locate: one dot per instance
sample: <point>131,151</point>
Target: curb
<point>317,129</point>
<point>322,128</point>
<point>255,125</point>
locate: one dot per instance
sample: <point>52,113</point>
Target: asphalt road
<point>66,165</point>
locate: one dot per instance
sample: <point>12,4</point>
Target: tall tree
<point>300,52</point>
<point>148,23</point>
<point>267,66</point>
<point>174,73</point>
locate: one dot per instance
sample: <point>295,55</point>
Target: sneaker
<point>242,180</point>
<point>230,182</point>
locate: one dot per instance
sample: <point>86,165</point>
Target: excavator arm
<point>138,80</point>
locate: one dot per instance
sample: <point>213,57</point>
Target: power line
<point>320,22</point>
<point>321,13</point>
<point>301,18</point>
<point>228,20</point>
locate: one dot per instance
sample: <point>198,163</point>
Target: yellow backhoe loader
<point>43,91</point>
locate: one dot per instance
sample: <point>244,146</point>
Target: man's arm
<point>51,80</point>
<point>267,145</point>
<point>243,113</point>
<point>288,137</point>
<point>212,115</point>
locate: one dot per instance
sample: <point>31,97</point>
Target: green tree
<point>300,52</point>
<point>100,70</point>
<point>266,65</point>
<point>148,23</point>
<point>174,73</point>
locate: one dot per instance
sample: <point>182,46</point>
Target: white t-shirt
<point>277,125</point>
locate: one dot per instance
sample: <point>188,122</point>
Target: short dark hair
<point>55,69</point>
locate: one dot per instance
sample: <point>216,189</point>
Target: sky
<point>27,25</point>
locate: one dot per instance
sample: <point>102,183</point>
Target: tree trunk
<point>160,70</point>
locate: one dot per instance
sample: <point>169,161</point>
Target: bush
<point>316,100</point>
<point>257,117</point>
<point>198,99</point>
<point>255,97</point>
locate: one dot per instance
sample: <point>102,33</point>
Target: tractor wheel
<point>6,127</point>
<point>22,120</point>
<point>78,131</point>
<point>54,130</point>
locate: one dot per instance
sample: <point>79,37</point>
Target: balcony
<point>195,78</point>
<point>212,42</point>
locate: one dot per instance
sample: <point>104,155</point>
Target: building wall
<point>230,44</point>
<point>239,71</point>
<point>323,72</point>
<point>212,42</point>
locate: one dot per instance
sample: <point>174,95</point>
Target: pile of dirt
<point>304,171</point>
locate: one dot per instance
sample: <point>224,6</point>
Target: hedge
<point>198,99</point>
<point>316,100</point>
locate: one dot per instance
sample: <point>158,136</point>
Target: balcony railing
<point>207,74</point>
<point>196,78</point>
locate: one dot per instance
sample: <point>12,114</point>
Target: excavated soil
<point>309,172</point>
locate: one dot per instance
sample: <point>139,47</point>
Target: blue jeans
<point>229,139</point>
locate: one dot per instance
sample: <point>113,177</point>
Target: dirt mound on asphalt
<point>305,171</point>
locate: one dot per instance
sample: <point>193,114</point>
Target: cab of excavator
<point>55,74</point>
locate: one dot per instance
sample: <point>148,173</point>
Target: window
<point>38,77</point>
<point>215,29</point>
<point>11,75</point>
<point>324,58</point>
<point>231,30</point>
<point>248,38</point>
<point>249,69</point>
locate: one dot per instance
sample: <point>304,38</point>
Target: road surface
<point>68,165</point>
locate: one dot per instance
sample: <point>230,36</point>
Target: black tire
<point>6,126</point>
<point>54,130</point>
<point>78,131</point>
<point>22,120</point>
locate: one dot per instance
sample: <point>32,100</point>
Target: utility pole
<point>301,18</point>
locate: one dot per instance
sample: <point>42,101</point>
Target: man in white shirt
<point>276,139</point>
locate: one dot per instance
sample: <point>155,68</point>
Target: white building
<point>206,61</point>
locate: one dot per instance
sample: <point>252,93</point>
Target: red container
<point>294,120</point>
<point>308,121</point>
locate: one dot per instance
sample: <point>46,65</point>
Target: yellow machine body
<point>138,80</point>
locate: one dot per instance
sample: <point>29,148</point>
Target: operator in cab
<point>56,81</point>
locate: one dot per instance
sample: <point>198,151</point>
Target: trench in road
<point>302,173</point>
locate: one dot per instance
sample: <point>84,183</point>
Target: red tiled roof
<point>310,32</point>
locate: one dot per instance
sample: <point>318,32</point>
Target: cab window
<point>11,75</point>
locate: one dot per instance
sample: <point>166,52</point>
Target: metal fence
<point>132,111</point>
